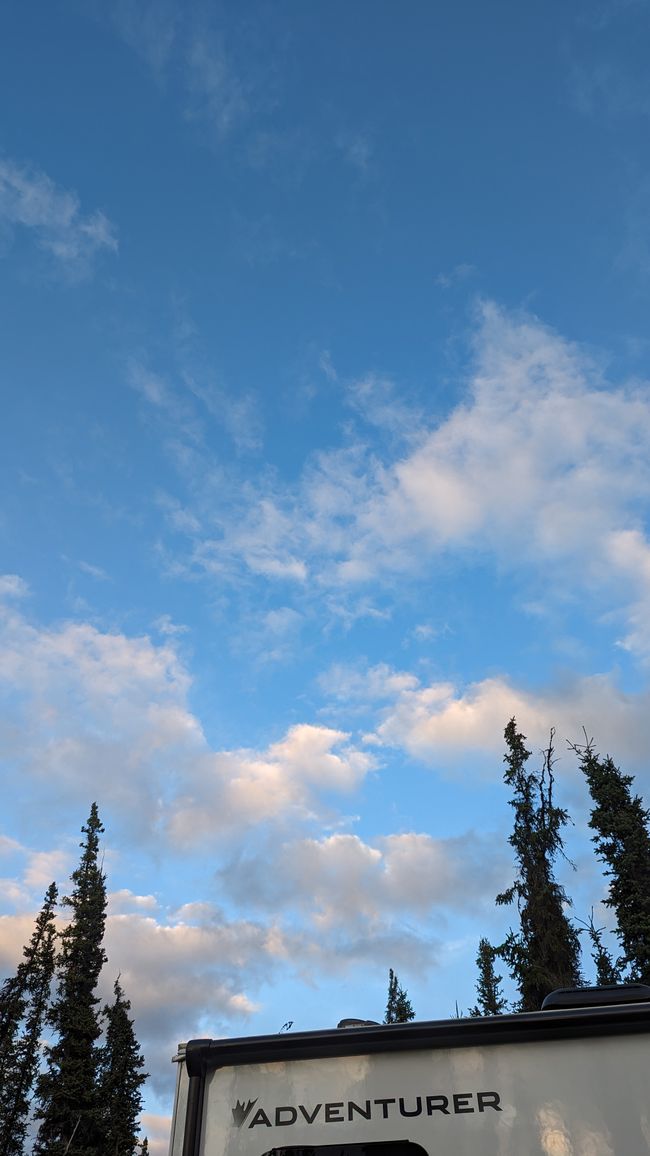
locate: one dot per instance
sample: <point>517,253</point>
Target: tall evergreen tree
<point>120,1080</point>
<point>491,1001</point>
<point>545,953</point>
<point>399,1009</point>
<point>622,842</point>
<point>67,1092</point>
<point>23,1004</point>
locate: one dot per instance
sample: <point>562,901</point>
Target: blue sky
<point>325,449</point>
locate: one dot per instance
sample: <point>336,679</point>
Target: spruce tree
<point>607,972</point>
<point>545,953</point>
<point>622,842</point>
<point>399,1009</point>
<point>24,1001</point>
<point>120,1080</point>
<point>67,1092</point>
<point>491,1001</point>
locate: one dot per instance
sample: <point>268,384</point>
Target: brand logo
<point>336,1112</point>
<point>241,1111</point>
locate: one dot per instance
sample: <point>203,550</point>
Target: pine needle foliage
<point>545,953</point>
<point>622,842</point>
<point>399,1009</point>
<point>67,1092</point>
<point>24,1000</point>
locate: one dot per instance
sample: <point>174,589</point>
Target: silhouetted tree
<point>24,1000</point>
<point>67,1092</point>
<point>607,971</point>
<point>399,1009</point>
<point>622,842</point>
<point>490,1001</point>
<point>545,953</point>
<point>120,1079</point>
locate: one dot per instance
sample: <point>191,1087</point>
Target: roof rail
<point>566,997</point>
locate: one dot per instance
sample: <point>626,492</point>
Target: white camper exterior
<point>560,1082</point>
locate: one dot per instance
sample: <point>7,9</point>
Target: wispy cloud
<point>357,149</point>
<point>216,93</point>
<point>607,87</point>
<point>190,399</point>
<point>181,42</point>
<point>150,28</point>
<point>30,200</point>
<point>94,571</point>
<point>456,276</point>
<point>541,467</point>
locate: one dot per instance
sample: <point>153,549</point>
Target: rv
<point>570,1080</point>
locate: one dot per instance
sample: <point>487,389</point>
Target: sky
<point>325,450</point>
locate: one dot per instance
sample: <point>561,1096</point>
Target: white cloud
<point>9,845</point>
<point>233,790</point>
<point>281,621</point>
<point>45,867</point>
<point>538,464</point>
<point>12,586</point>
<point>94,715</point>
<point>125,900</point>
<point>448,726</point>
<point>105,716</point>
<point>14,895</point>
<point>29,199</point>
<point>194,970</point>
<point>628,553</point>
<point>352,888</point>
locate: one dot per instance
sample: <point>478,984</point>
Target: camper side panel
<point>575,1097</point>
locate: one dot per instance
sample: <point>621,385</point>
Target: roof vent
<point>352,1023</point>
<point>566,997</point>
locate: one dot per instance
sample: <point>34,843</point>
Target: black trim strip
<point>206,1055</point>
<point>194,1109</point>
